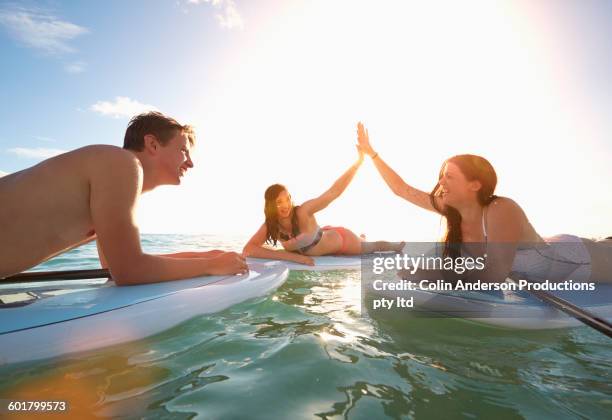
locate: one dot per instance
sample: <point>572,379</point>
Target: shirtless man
<point>91,193</point>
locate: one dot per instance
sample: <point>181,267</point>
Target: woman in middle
<point>296,227</point>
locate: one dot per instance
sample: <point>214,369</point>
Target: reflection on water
<point>307,351</point>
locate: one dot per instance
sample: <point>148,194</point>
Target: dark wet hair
<point>474,168</point>
<point>270,211</point>
<point>156,123</point>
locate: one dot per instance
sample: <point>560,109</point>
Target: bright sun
<point>473,77</point>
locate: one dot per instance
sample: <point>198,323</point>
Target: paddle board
<point>516,309</point>
<point>323,263</point>
<point>102,315</point>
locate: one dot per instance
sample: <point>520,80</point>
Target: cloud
<point>122,107</point>
<point>35,152</point>
<point>229,17</point>
<point>39,30</point>
<point>2,173</point>
<point>75,68</point>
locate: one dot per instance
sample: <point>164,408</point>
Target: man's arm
<point>185,254</point>
<point>101,256</point>
<point>113,197</point>
<point>195,254</point>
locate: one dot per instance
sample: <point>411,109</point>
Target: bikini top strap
<point>484,225</point>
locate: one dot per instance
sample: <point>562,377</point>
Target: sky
<point>275,89</point>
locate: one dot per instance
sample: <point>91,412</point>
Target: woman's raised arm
<point>317,204</point>
<point>393,180</point>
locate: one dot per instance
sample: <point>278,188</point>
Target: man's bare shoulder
<point>105,153</point>
<point>70,168</point>
<point>115,166</point>
<point>109,159</point>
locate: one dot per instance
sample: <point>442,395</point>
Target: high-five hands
<point>361,155</point>
<point>363,140</point>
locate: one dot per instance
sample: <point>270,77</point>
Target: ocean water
<point>306,351</point>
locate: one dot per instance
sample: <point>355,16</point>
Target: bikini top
<point>295,231</point>
<point>295,227</point>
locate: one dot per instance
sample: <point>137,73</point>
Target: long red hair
<point>474,168</point>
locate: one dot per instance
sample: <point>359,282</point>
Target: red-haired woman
<point>464,195</point>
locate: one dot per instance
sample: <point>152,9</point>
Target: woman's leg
<point>356,245</point>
